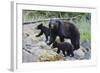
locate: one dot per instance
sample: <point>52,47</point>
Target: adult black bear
<point>64,30</point>
<point>64,47</point>
<point>44,30</point>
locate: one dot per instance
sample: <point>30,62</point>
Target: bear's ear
<point>59,21</point>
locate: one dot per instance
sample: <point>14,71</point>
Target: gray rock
<point>88,55</point>
<point>27,57</point>
<point>27,43</point>
<point>44,45</point>
<point>83,49</point>
<point>69,58</point>
<point>86,44</point>
<point>79,54</point>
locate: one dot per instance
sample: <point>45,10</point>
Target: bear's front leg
<point>39,34</point>
<point>52,39</point>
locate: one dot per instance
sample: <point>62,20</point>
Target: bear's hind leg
<point>75,43</point>
<point>71,53</point>
<point>51,40</point>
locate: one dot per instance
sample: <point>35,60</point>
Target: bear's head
<point>40,26</point>
<point>54,44</point>
<point>54,24</point>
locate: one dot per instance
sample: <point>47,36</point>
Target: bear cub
<point>44,30</point>
<point>64,47</point>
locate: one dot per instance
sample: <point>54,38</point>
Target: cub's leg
<point>71,53</point>
<point>39,34</point>
<point>64,53</point>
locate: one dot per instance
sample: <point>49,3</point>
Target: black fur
<point>64,47</point>
<point>64,30</point>
<point>44,30</point>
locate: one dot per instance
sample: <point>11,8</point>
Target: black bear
<point>64,47</point>
<point>64,30</point>
<point>44,30</point>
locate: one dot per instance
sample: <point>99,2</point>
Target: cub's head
<point>54,44</point>
<point>39,26</point>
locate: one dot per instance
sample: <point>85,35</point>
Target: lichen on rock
<point>49,55</point>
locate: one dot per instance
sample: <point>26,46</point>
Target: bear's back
<point>70,29</point>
